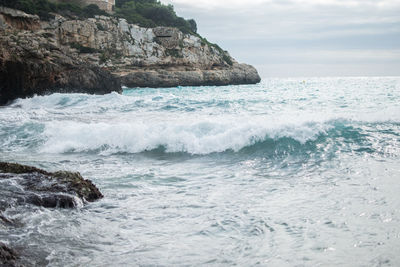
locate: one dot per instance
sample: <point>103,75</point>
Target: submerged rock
<point>47,189</point>
<point>5,220</point>
<point>8,256</point>
<point>21,185</point>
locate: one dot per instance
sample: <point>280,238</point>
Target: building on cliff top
<point>107,5</point>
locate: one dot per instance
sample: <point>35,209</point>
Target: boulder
<point>60,189</point>
<point>22,185</point>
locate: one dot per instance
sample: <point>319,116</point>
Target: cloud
<point>235,4</point>
<point>257,30</point>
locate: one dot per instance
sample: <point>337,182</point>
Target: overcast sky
<point>287,38</point>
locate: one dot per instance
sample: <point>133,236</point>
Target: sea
<point>288,172</point>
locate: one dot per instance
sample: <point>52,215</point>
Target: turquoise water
<point>290,172</point>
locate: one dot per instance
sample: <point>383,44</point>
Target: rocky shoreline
<point>99,55</point>
<point>95,56</point>
<point>32,186</point>
<point>238,74</point>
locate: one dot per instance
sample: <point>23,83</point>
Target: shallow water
<point>289,172</point>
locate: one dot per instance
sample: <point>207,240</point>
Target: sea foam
<point>200,136</point>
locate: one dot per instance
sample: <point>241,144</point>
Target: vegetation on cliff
<point>145,13</point>
<point>44,8</point>
<point>152,13</point>
<point>75,55</point>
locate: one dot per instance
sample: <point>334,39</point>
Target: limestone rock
<point>167,36</point>
<point>238,74</point>
<point>26,77</point>
<point>18,19</point>
<point>70,55</point>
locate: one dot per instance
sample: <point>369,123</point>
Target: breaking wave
<point>200,138</point>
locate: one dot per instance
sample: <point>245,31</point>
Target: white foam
<point>202,120</point>
<point>191,135</point>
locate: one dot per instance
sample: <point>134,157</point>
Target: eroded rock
<point>30,71</point>
<point>238,74</point>
<point>18,19</point>
<point>21,185</point>
<point>76,56</point>
<point>47,189</point>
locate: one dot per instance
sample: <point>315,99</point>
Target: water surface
<point>290,172</point>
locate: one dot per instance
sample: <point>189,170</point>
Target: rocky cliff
<point>32,61</point>
<point>74,55</point>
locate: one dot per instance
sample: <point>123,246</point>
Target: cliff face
<point>127,46</point>
<point>159,57</point>
<point>33,62</point>
<point>64,54</point>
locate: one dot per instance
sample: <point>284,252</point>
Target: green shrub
<point>152,13</point>
<point>92,10</point>
<point>227,59</point>
<point>103,58</point>
<point>44,8</point>
<point>100,27</point>
<point>83,49</point>
<point>146,13</point>
<point>193,25</point>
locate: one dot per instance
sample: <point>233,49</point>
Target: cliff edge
<point>97,55</point>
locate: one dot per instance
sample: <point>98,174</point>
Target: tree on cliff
<point>152,13</point>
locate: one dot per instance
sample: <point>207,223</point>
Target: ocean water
<point>289,172</point>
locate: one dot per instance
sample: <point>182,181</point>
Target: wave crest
<point>201,137</point>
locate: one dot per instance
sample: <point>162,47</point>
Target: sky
<point>303,38</point>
